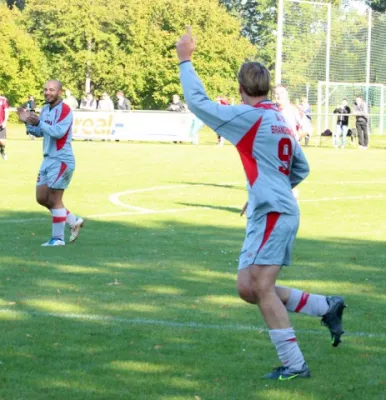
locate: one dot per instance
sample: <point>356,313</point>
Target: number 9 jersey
<point>272,158</point>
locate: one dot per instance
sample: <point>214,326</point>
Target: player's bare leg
<point>257,283</point>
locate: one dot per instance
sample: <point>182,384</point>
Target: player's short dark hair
<point>254,79</point>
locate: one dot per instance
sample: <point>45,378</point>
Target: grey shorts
<point>269,239</point>
<point>3,133</point>
<point>55,174</point>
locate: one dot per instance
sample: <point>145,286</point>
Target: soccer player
<point>290,111</point>
<point>274,163</point>
<point>4,113</point>
<point>55,126</point>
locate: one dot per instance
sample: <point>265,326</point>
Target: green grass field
<point>144,307</point>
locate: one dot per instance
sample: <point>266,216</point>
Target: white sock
<point>71,218</point>
<point>287,348</point>
<point>59,216</point>
<point>306,303</point>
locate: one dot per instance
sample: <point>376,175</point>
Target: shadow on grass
<point>160,313</point>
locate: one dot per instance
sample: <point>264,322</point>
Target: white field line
<point>114,198</point>
<point>345,182</point>
<point>175,324</point>
<point>344,198</point>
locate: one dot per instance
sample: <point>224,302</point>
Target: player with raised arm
<point>55,126</point>
<point>274,163</point>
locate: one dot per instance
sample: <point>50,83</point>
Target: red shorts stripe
<point>302,302</point>
<point>63,167</point>
<point>56,220</point>
<point>272,218</point>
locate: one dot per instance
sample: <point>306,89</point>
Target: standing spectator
<point>305,109</point>
<point>55,126</point>
<point>122,102</point>
<point>88,102</point>
<point>274,163</point>
<point>290,111</point>
<point>70,100</point>
<point>105,103</point>
<point>176,104</point>
<point>30,105</point>
<point>361,112</point>
<point>4,113</point>
<point>343,112</point>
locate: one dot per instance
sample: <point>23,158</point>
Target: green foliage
<point>378,5</point>
<point>130,45</point>
<point>22,65</point>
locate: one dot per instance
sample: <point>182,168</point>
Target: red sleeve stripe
<point>65,111</point>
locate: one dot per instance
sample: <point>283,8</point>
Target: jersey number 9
<point>284,153</point>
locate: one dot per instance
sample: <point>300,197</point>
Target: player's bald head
<point>54,82</point>
<point>53,92</point>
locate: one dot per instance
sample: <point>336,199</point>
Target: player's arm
<point>299,168</point>
<point>34,130</point>
<point>221,118</point>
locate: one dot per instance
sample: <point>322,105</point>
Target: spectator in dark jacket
<point>343,112</point>
<point>361,112</point>
<point>122,102</point>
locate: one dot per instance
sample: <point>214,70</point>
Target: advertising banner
<point>159,126</point>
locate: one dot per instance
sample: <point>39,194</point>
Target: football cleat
<point>285,374</point>
<point>54,242</point>
<point>75,229</point>
<point>5,157</point>
<point>333,318</point>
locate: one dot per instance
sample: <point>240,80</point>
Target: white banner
<point>160,126</point>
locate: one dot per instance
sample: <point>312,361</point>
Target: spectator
<point>122,103</point>
<point>292,114</point>
<point>305,107</point>
<point>4,113</point>
<point>105,103</point>
<point>341,123</point>
<point>30,105</point>
<point>88,102</point>
<point>305,110</point>
<point>176,104</point>
<point>361,112</point>
<point>70,100</point>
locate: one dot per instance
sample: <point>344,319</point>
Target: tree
<point>22,65</point>
<point>20,4</point>
<point>378,5</point>
<point>130,45</point>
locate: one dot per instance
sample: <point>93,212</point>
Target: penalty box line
<point>174,324</point>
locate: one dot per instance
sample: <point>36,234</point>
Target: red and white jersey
<point>56,127</point>
<point>3,106</point>
<point>294,117</point>
<point>272,158</point>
